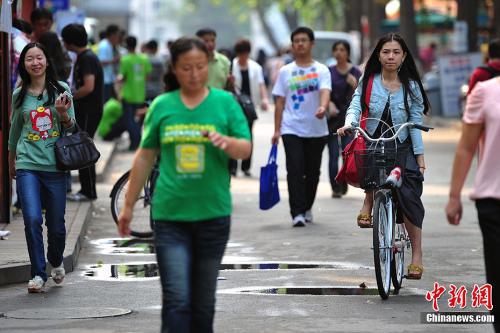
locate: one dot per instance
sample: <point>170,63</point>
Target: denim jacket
<point>399,115</point>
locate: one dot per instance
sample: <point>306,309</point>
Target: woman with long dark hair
<point>42,110</point>
<point>62,66</point>
<point>397,97</point>
<point>195,130</point>
<point>61,60</point>
<point>345,78</point>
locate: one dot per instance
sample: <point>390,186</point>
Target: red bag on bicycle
<point>349,173</point>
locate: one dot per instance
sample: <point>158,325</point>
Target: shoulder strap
<point>493,72</point>
<point>367,101</point>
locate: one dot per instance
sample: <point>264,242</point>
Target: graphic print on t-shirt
<point>189,144</point>
<point>302,83</point>
<point>41,123</point>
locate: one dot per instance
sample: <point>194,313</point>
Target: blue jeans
<point>189,257</point>
<point>130,125</point>
<point>37,189</point>
<point>333,152</point>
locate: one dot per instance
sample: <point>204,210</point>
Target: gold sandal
<point>415,272</point>
<point>364,217</point>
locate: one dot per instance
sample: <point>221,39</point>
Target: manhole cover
<point>67,313</point>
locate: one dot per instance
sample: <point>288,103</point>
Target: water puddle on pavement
<point>123,272</point>
<point>149,270</point>
<point>292,265</point>
<point>125,246</point>
<point>305,291</point>
<point>140,246</point>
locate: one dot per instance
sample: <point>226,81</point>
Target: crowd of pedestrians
<point>185,112</point>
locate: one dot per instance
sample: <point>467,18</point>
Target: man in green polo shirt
<point>134,68</point>
<point>218,65</point>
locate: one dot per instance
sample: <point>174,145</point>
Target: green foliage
<point>231,22</point>
<point>318,14</point>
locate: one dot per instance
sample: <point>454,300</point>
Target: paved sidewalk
<point>14,259</point>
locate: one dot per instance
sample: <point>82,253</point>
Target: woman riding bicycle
<point>397,96</point>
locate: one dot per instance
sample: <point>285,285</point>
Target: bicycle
<point>390,238</point>
<point>143,223</point>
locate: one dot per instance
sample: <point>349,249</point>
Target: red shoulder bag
<point>349,173</point>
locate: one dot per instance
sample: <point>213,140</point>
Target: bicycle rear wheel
<point>141,225</point>
<point>401,242</point>
<point>382,243</point>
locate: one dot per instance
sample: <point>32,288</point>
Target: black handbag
<point>247,105</point>
<point>75,151</point>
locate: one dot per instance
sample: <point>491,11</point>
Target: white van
<point>324,41</point>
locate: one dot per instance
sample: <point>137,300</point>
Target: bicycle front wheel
<point>382,243</point>
<point>141,224</point>
<point>401,243</point>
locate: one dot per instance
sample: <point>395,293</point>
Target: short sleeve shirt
<point>483,108</point>
<point>134,68</point>
<point>301,88</point>
<point>194,179</point>
<point>218,71</point>
<point>105,53</point>
<point>87,63</point>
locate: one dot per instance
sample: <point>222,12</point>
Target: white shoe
<point>77,197</point>
<point>308,216</point>
<point>36,285</point>
<point>58,274</point>
<point>4,233</point>
<point>299,221</point>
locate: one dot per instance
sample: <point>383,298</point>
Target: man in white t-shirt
<point>106,54</point>
<point>302,93</point>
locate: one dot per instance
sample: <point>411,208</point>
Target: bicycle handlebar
<point>408,124</point>
<point>422,127</point>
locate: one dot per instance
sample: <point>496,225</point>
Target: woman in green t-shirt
<point>41,109</point>
<point>195,130</point>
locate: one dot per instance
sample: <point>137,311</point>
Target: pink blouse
<point>483,107</point>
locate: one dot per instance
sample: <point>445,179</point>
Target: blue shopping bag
<point>269,191</point>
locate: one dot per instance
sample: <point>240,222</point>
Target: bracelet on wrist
<point>421,167</point>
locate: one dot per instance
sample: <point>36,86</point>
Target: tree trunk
<point>496,19</point>
<point>408,27</point>
<point>376,16</point>
<point>292,18</point>
<point>267,29</point>
<point>353,10</point>
<point>467,11</point>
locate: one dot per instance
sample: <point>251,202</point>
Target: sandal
<point>367,218</point>
<point>414,272</point>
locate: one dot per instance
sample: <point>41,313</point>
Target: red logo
<point>434,295</point>
<point>458,296</point>
<point>481,296</point>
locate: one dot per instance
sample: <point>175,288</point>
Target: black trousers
<point>488,211</point>
<point>88,122</point>
<point>245,164</point>
<point>303,163</point>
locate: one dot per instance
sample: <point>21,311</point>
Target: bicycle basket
<point>374,165</point>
